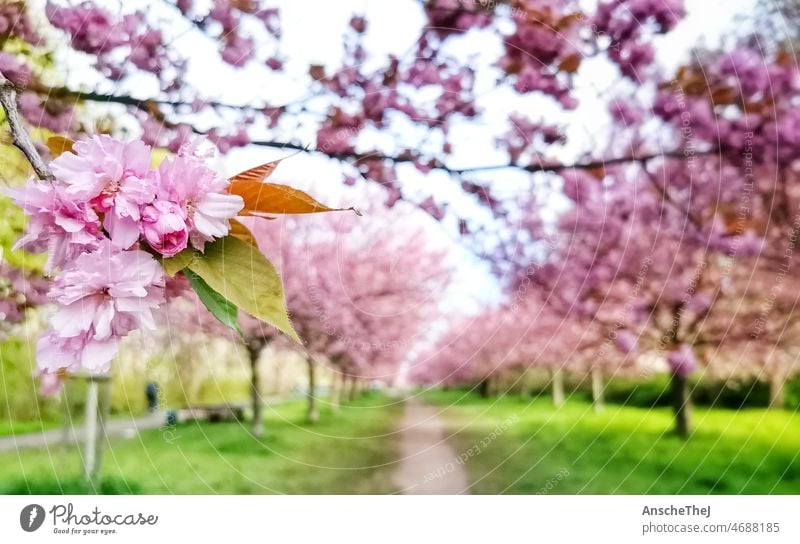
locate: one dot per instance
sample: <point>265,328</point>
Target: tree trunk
<point>597,389</point>
<point>681,404</point>
<point>98,404</point>
<point>358,387</point>
<point>256,424</point>
<point>337,384</point>
<point>777,397</point>
<point>525,384</point>
<point>68,431</point>
<point>484,387</point>
<point>351,388</point>
<point>496,386</point>
<point>558,387</point>
<point>313,409</point>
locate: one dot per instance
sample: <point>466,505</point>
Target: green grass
<point>349,451</point>
<point>541,449</point>
<point>9,428</point>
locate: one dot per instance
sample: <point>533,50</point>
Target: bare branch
<point>19,135</point>
<point>143,104</point>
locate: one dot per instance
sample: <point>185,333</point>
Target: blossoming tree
<point>359,290</point>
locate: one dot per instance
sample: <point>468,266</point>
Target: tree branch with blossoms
<point>115,229</point>
<point>20,137</point>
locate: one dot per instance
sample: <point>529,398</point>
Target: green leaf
<point>175,264</point>
<point>223,309</point>
<point>244,276</point>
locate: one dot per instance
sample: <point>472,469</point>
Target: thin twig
<point>143,104</point>
<point>19,135</point>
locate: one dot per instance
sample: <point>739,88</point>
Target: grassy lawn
<point>540,449</point>
<point>9,428</point>
<point>347,452</point>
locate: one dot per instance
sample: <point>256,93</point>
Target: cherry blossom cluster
<point>101,221</point>
<point>19,291</point>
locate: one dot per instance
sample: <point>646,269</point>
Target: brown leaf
<point>59,144</point>
<point>784,57</point>
<point>262,172</point>
<point>570,64</point>
<point>259,173</point>
<point>317,72</point>
<point>691,81</point>
<point>735,223</point>
<point>271,198</point>
<point>568,20</point>
<point>598,172</point>
<point>724,96</point>
<point>246,6</point>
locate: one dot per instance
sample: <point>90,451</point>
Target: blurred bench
<point>212,412</point>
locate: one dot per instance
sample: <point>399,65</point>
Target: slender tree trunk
<point>597,389</point>
<point>777,398</point>
<point>69,423</point>
<point>337,384</point>
<point>497,386</point>
<point>313,409</point>
<point>349,385</point>
<point>484,387</point>
<point>525,384</point>
<point>558,387</point>
<point>256,424</point>
<point>90,434</point>
<point>681,404</point>
<point>97,407</point>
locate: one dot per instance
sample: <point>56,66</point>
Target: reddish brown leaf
<point>570,64</point>
<point>598,172</point>
<point>317,72</point>
<point>59,144</point>
<point>259,173</point>
<point>568,20</point>
<point>724,96</point>
<point>271,198</point>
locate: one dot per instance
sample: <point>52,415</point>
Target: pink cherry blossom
<point>188,181</point>
<point>104,296</point>
<point>14,69</point>
<point>626,342</point>
<point>50,384</point>
<point>238,50</point>
<point>50,114</point>
<point>56,224</point>
<point>92,28</point>
<point>112,175</point>
<point>682,361</point>
<point>54,352</point>
<point>164,227</point>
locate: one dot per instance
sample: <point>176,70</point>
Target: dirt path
<point>429,464</point>
<point>123,427</point>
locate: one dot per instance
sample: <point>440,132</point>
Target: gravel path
<point>124,427</point>
<point>429,464</point>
